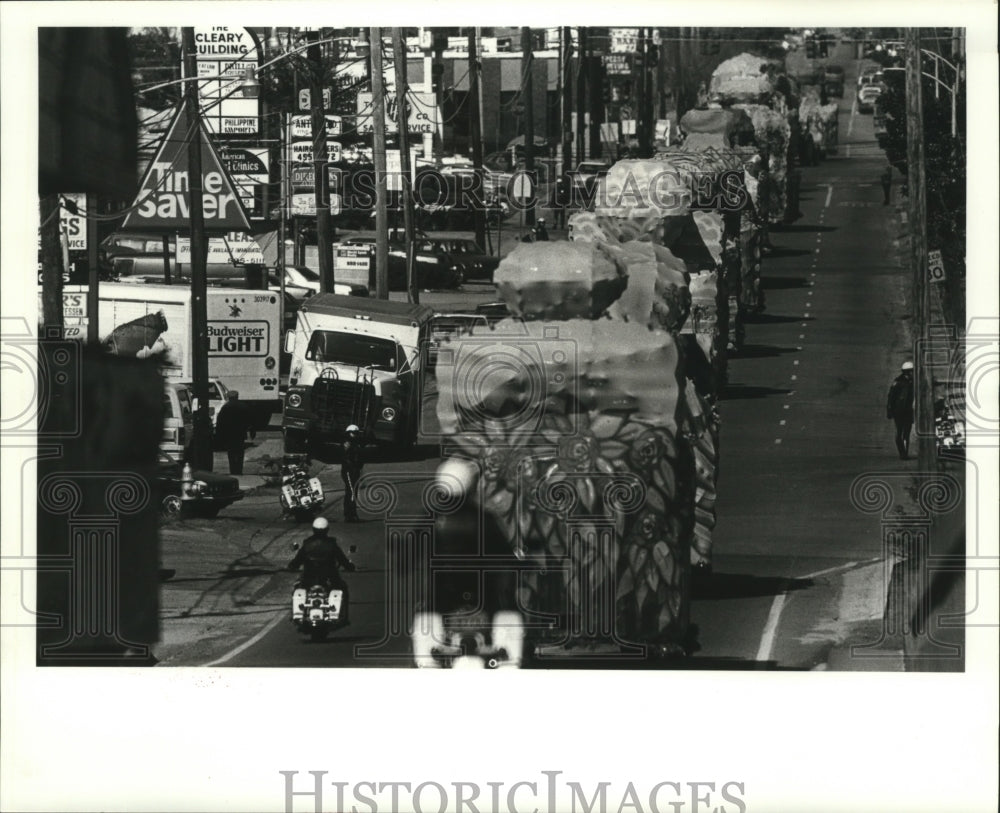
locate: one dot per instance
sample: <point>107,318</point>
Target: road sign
<point>164,199</point>
<point>935,266</point>
<point>305,98</point>
<point>521,186</point>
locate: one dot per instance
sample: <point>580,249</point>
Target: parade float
<point>590,441</point>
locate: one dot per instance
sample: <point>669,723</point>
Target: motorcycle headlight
<point>269,362</point>
<point>294,400</point>
<point>388,414</point>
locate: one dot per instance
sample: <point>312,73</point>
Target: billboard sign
<point>74,226</point>
<point>235,249</point>
<point>164,199</point>
<point>302,152</point>
<point>224,54</point>
<point>301,127</point>
<point>624,40</point>
<point>421,113</point>
<point>248,168</point>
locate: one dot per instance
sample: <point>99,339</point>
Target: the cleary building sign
<point>164,199</point>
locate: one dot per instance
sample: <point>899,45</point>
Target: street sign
<point>164,199</point>
<point>521,186</point>
<point>935,266</point>
<point>305,98</point>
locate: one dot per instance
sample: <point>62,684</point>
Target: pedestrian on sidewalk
<point>231,429</point>
<point>899,407</point>
<point>541,233</point>
<point>886,179</point>
<point>350,471</point>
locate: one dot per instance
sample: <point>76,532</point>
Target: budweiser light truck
<point>355,361</point>
<point>244,335</point>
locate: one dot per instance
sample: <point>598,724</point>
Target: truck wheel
<point>296,442</point>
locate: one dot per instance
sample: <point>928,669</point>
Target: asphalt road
<point>798,568</point>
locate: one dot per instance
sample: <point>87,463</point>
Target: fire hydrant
<point>188,491</point>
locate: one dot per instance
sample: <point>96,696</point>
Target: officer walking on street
<point>350,471</point>
<point>886,180</point>
<point>231,429</point>
<point>899,407</point>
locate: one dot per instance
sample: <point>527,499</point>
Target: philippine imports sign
<point>224,54</point>
<point>164,199</point>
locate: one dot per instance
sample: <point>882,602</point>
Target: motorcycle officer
<point>321,558</point>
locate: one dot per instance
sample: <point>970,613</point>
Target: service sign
<point>421,114</point>
<point>224,54</point>
<point>301,127</point>
<point>164,199</point>
<point>74,226</point>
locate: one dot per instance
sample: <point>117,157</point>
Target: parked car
<point>867,96</point>
<point>493,311</point>
<point>212,492</point>
<point>446,325</point>
<point>433,269</point>
<point>587,170</point>
<point>218,394</point>
<point>178,420</point>
<point>476,265</point>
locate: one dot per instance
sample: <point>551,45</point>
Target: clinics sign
<point>164,199</point>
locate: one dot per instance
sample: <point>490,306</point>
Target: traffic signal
<point>810,48</point>
<point>437,71</point>
<point>606,89</point>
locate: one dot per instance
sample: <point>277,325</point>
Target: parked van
<point>178,421</point>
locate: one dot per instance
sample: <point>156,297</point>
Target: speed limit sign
<point>935,266</point>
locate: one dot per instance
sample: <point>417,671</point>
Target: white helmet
<point>352,428</point>
<point>321,524</point>
<point>907,365</point>
<point>457,476</point>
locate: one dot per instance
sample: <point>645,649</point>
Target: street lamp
<point>250,87</point>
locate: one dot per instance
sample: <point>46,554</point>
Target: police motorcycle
<point>471,643</point>
<point>318,609</point>
<point>301,496</point>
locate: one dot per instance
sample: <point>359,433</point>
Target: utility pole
<point>406,185</point>
<point>201,456</point>
<point>283,204</point>
<point>93,272</point>
<point>475,136</point>
<point>381,190</point>
<point>321,179</point>
<point>528,66</point>
<point>52,264</point>
<point>581,95</point>
<point>646,100</point>
<point>916,182</point>
<point>565,100</point>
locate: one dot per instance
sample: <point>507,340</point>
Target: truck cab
<point>355,361</point>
